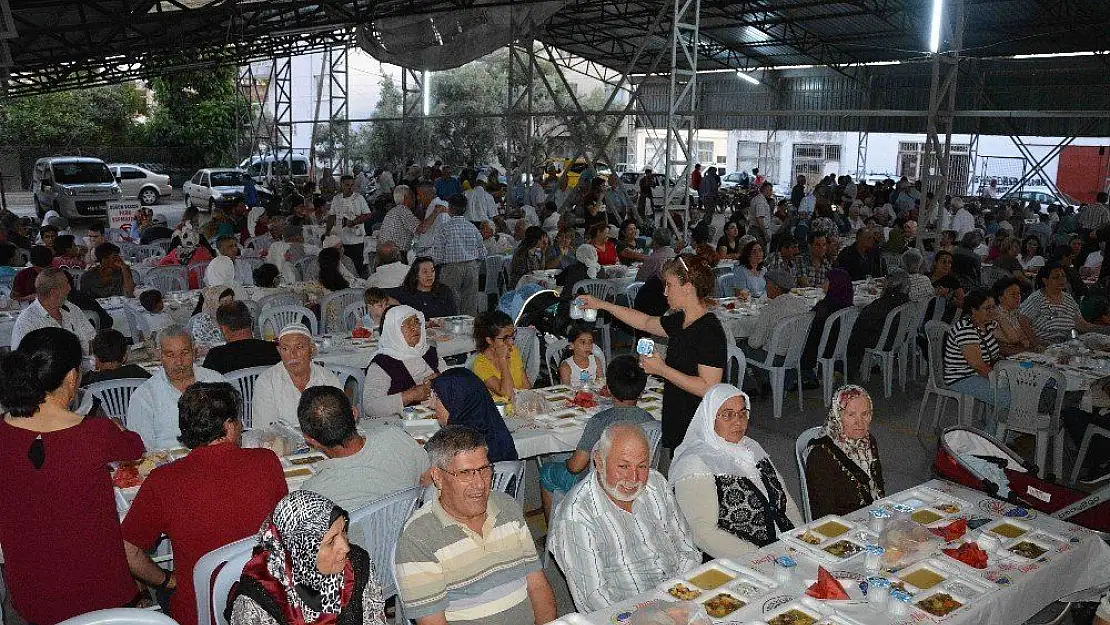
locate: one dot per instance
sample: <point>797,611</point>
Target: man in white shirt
<point>991,191</point>
<point>222,268</point>
<point>962,221</point>
<point>619,529</point>
<point>391,271</point>
<point>50,310</point>
<point>783,304</point>
<point>361,466</point>
<point>480,205</point>
<point>761,211</point>
<point>278,390</point>
<point>152,412</point>
<point>537,195</point>
<point>350,212</point>
<point>496,242</point>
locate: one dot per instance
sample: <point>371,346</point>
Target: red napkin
<point>952,531</point>
<point>826,587</point>
<point>970,554</point>
<point>583,400</point>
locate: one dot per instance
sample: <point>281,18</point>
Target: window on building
<point>812,160</point>
<point>765,156</point>
<point>705,152</point>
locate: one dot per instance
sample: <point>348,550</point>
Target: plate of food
<point>1008,529</point>
<point>306,459</point>
<point>831,538</point>
<point>929,505</point>
<point>739,581</point>
<point>794,613</point>
<point>302,472</point>
<point>681,590</point>
<point>711,575</point>
<point>1029,548</point>
<point>721,604</point>
<point>940,603</point>
<point>921,576</point>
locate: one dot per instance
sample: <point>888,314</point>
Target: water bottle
<point>583,378</point>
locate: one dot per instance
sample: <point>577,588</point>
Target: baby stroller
<point>974,459</point>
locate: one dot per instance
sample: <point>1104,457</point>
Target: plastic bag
<point>670,613</point>
<point>905,541</point>
<point>527,404</point>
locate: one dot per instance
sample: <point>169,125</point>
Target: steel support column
<point>519,121</point>
<point>282,142</point>
<point>681,110</point>
<point>942,101</point>
<point>338,109</point>
<point>412,107</point>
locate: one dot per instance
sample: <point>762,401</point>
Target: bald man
<point>620,529</point>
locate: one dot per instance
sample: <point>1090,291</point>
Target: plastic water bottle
<point>583,379</point>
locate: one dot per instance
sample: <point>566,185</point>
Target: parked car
<point>263,168</point>
<point>1044,198</point>
<point>214,187</point>
<point>630,184</point>
<point>141,183</point>
<point>75,186</point>
<point>734,179</point>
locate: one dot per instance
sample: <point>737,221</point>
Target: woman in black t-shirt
<point>696,342</point>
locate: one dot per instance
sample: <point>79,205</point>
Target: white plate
<point>917,599</point>
<point>925,497</point>
<point>560,415</point>
<point>793,605</point>
<point>1022,525</point>
<point>718,565</point>
<point>856,535</point>
<point>731,616</point>
<point>573,618</point>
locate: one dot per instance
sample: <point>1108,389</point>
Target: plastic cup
<point>590,314</point>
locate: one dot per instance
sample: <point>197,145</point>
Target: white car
<point>214,188</point>
<point>630,184</point>
<point>733,180</point>
<point>141,183</point>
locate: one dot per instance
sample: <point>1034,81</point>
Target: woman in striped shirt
<point>970,352</point>
<point>1053,312</point>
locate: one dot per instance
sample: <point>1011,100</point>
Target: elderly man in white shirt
<point>221,270</point>
<point>480,205</point>
<point>278,390</point>
<point>962,221</point>
<point>349,212</point>
<point>391,270</point>
<point>619,529</point>
<point>152,412</point>
<point>50,310</point>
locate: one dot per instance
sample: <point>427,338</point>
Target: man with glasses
<point>619,532</point>
<point>467,556</point>
<point>278,390</point>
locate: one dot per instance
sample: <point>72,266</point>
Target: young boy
<point>377,301</point>
<point>109,351</point>
<point>626,382</point>
<point>154,318</point>
<point>66,253</point>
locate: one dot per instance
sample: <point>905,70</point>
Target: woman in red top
<point>59,525</point>
<point>598,236</point>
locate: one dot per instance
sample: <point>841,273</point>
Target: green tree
<point>197,110</point>
<point>88,117</point>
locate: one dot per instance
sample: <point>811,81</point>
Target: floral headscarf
<point>288,544</point>
<point>858,449</point>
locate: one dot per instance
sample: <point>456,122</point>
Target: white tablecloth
<point>1021,590</point>
<point>1079,371</point>
<point>741,320</point>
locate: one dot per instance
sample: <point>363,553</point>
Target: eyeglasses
<point>469,475</point>
<point>507,337</point>
<point>732,415</point>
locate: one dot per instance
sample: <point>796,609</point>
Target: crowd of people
<point>617,526</point>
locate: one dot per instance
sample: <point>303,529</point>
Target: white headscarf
<point>277,256</point>
<point>393,343</point>
<point>252,219</point>
<point>704,452</point>
<point>587,255</point>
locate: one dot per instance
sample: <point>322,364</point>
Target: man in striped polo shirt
<point>467,556</point>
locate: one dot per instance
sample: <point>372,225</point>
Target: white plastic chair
<point>723,270</point>
<point>280,299</point>
<point>631,291</point>
<point>736,364</point>
<point>508,477</point>
<point>726,284</point>
<point>528,342</point>
<point>352,315</point>
<point>935,331</point>
<point>168,278</point>
<point>1091,432</point>
<point>199,269</point>
<point>164,244</point>
<point>277,317</point>
<point>340,299</point>
<point>801,452</point>
<point>143,252</point>
<point>784,352</point>
<point>346,376</point>
<point>492,267</point>
<point>244,268</point>
<point>1026,382</point>
<point>844,320</point>
<point>213,576</point>
<point>897,330</point>
<point>308,268</point>
<point>115,395</point>
<point>243,380</point>
<point>654,432</point>
<point>377,526</point>
<point>121,616</point>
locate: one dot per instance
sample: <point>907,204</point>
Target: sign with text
<point>121,214</point>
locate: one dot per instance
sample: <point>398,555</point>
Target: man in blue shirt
<point>447,185</point>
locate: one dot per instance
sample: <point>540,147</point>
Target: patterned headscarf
<point>858,449</point>
<point>290,540</point>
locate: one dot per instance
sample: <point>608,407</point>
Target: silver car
<point>75,186</point>
<point>141,183</point>
<point>214,188</point>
